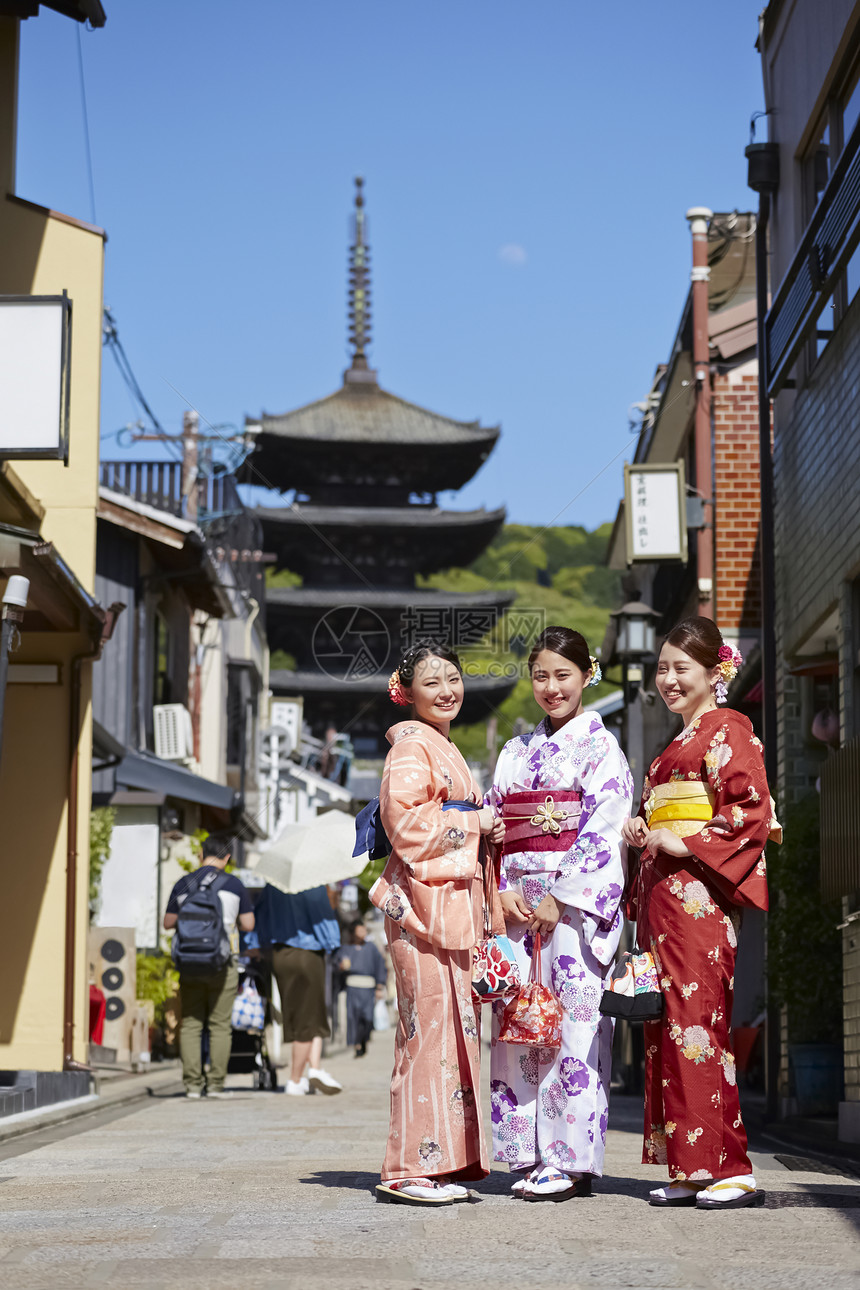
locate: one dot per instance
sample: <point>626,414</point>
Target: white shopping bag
<point>381,1019</point>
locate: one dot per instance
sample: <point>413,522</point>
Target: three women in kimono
<point>432,893</point>
<point>705,817</point>
<point>564,792</point>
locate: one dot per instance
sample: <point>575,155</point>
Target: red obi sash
<point>541,820</point>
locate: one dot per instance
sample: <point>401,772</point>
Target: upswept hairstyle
<point>566,642</point>
<point>698,637</point>
<point>421,650</point>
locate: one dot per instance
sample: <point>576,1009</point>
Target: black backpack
<point>201,946</point>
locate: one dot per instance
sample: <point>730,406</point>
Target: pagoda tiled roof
<point>383,597</point>
<point>367,414</point>
<point>397,517</point>
<point>307,682</point>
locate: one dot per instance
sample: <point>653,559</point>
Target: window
<point>161,687</point>
<point>838,121</point>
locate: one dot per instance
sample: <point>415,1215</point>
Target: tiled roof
<point>368,414</point>
<point>398,517</point>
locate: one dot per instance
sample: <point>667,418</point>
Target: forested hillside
<point>557,572</point>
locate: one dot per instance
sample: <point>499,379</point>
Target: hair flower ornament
<point>395,690</point>
<point>731,660</point>
<point>596,674</point>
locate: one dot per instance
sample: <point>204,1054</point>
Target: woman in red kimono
<point>705,818</point>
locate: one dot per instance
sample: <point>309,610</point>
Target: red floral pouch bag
<point>534,1015</point>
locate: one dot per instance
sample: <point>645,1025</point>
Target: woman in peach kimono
<point>432,893</point>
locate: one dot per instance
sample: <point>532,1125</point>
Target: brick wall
<point>738,500</point>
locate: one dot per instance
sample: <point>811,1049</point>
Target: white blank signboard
<point>654,503</point>
<point>31,377</point>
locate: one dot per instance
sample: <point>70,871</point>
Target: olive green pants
<point>207,1001</point>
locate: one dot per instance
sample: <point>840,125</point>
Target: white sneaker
<point>298,1088</point>
<point>195,1097</point>
<point>321,1082</point>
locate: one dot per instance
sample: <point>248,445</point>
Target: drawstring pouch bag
<point>534,1015</point>
<point>495,974</point>
<point>633,992</point>
<point>249,1010</point>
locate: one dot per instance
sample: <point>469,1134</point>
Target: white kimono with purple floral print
<point>551,1107</point>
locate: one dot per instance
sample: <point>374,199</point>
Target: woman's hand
<point>488,821</point>
<point>666,841</point>
<point>497,832</point>
<point>545,916</point>
<point>514,907</point>
<point>635,831</point>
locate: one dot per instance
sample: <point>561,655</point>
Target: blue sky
<point>527,171</point>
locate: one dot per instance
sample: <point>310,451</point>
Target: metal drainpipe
<point>773,1054</point>
<point>69,1062</point>
<point>698,217</point>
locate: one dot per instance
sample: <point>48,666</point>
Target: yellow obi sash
<point>683,806</point>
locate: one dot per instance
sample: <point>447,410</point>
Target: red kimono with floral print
<point>688,914</point>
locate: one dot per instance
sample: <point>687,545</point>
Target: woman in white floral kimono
<point>432,892</point>
<point>564,792</point>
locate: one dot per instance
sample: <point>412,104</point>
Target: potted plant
<point>805,962</point>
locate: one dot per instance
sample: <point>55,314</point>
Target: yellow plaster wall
<point>42,254</point>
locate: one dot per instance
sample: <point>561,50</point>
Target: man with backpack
<point>203,911</point>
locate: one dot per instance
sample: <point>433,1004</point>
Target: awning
<point>143,771</point>
<point>57,601</point>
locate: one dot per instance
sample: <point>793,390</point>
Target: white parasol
<point>308,855</point>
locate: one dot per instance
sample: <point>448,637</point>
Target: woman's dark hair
<point>421,650</point>
<point>698,637</point>
<point>566,642</point>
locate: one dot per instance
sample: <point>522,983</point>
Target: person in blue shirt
<point>366,978</point>
<point>295,933</point>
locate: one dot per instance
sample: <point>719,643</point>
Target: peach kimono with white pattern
<point>432,896</point>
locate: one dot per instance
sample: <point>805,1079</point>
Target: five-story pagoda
<point>364,468</point>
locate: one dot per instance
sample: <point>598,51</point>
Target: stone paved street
<point>270,1191</point>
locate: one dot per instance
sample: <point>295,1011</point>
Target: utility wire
<point>114,344</point>
<point>86,128</point>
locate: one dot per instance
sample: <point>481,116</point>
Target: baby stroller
<point>248,1053</point>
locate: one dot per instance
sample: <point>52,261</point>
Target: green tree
<point>101,829</point>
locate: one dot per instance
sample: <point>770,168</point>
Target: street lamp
<point>635,634</point>
<point>634,631</point>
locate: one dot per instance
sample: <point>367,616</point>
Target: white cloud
<point>513,253</point>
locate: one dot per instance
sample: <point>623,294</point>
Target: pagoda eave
<point>482,695</point>
<point>378,544</point>
<point>292,599</point>
<point>307,466</point>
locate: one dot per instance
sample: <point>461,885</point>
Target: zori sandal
<point>552,1184</point>
<point>735,1195</point>
<point>413,1191</point>
<point>456,1191</point>
<point>680,1193</point>
<point>521,1184</point>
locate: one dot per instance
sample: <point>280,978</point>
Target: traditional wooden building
<point>365,468</point>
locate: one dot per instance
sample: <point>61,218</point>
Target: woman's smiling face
<point>685,686</point>
<point>436,692</point>
<point>557,685</point>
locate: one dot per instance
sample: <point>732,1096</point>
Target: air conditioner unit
<point>174,739</point>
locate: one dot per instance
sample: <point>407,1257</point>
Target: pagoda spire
<point>358,295</point>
